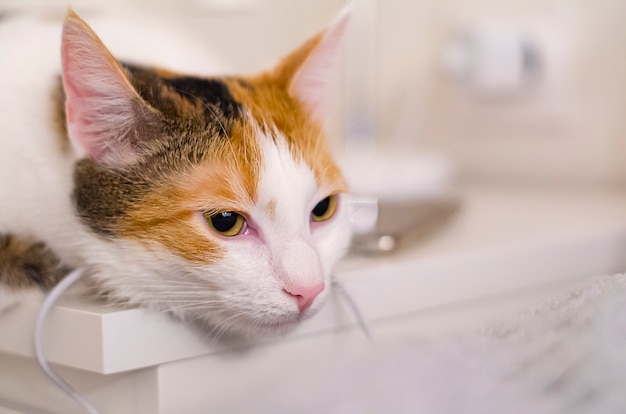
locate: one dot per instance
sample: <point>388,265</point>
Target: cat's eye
<point>325,209</point>
<point>225,223</point>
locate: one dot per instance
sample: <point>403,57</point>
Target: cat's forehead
<point>287,191</point>
<point>233,123</point>
<point>184,99</point>
<point>257,170</point>
<point>270,108</point>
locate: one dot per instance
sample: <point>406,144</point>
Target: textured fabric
<point>566,356</point>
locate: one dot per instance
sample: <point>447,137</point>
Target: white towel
<point>566,356</point>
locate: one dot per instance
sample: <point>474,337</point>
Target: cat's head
<point>215,198</point>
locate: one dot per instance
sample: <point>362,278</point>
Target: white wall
<point>570,130</point>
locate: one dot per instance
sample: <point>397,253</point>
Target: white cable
<point>355,310</point>
<point>47,305</point>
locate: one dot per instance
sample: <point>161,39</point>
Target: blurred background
<point>527,91</point>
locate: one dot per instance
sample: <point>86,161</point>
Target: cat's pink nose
<point>304,295</point>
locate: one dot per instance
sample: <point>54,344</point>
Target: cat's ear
<point>307,72</point>
<point>106,117</point>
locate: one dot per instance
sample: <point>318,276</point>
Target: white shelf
<point>501,241</point>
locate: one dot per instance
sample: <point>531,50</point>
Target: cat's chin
<point>274,329</point>
<point>252,330</point>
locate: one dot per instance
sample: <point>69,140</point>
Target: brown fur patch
<point>25,263</point>
<point>164,72</point>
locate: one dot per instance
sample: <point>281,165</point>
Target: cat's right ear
<point>306,73</point>
<point>106,117</point>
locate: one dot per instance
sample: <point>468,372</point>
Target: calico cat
<point>214,198</point>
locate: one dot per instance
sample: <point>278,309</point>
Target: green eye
<point>225,223</point>
<point>325,209</point>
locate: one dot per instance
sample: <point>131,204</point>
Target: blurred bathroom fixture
<point>406,189</point>
<point>180,7</point>
<point>396,176</point>
<point>394,173</point>
<point>513,70</point>
<point>361,60</point>
<point>364,214</point>
<point>383,226</point>
<point>227,6</point>
<point>494,58</point>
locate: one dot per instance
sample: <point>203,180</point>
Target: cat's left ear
<point>107,120</point>
<point>307,71</point>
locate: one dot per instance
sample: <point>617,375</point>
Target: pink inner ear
<point>311,81</point>
<point>100,102</point>
<point>76,120</point>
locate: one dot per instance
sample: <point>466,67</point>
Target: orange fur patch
<point>226,181</point>
<point>271,106</point>
<point>164,73</point>
<point>271,209</point>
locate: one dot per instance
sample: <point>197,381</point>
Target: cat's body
<point>214,198</point>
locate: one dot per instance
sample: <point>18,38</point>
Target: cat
<point>216,199</point>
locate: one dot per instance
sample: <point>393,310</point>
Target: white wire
<point>355,310</point>
<point>47,305</point>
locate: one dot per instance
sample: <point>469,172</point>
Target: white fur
<point>241,293</point>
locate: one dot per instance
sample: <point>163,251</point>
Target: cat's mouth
<point>279,325</point>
